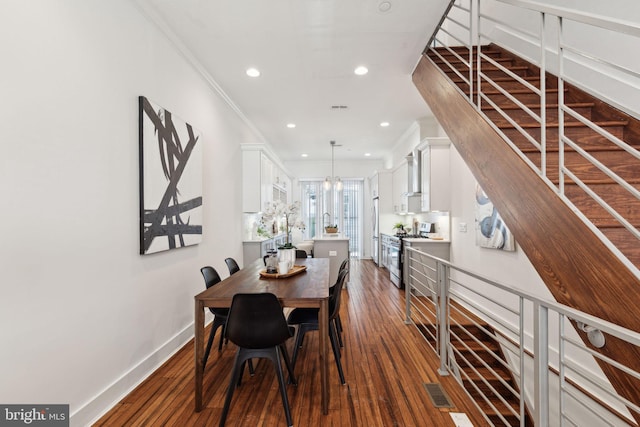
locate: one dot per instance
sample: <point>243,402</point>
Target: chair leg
<point>283,389</point>
<point>214,327</point>
<point>336,350</point>
<point>298,343</point>
<point>339,329</point>
<point>235,374</point>
<point>223,323</point>
<point>252,371</point>
<point>285,356</point>
<point>243,356</point>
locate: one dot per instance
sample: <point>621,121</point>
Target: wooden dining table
<point>309,288</point>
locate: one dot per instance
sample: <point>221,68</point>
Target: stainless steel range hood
<point>412,199</point>
<point>414,173</point>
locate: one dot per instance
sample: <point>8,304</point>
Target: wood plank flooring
<point>386,364</point>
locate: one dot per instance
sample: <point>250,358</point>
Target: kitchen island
<point>333,246</point>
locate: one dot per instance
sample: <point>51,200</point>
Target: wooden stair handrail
<point>577,267</point>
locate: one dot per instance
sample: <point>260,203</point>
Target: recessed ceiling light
<point>291,125</point>
<point>384,6</point>
<point>253,72</point>
<point>361,70</point>
<point>304,155</point>
<point>367,154</point>
<point>384,124</point>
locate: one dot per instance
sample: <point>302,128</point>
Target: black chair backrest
<point>345,264</point>
<point>343,267</point>
<point>232,265</point>
<point>211,276</point>
<point>301,253</point>
<point>334,295</point>
<point>257,321</point>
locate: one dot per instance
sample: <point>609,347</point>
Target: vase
<point>287,255</point>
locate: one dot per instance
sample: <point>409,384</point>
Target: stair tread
<point>503,79</point>
<point>492,68</point>
<point>530,105</point>
<point>589,149</point>
<point>503,124</point>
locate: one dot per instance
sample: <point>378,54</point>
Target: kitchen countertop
<point>262,239</point>
<point>418,239</point>
<point>331,237</point>
<point>423,240</point>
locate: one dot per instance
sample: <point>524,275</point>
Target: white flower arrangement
<point>291,215</point>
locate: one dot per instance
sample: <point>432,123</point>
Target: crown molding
<point>152,15</point>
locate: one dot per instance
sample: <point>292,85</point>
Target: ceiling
<point>306,51</point>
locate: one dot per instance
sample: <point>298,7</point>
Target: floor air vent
<point>438,395</point>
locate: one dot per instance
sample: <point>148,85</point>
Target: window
<point>345,209</point>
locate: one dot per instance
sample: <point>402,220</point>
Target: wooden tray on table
<point>296,269</point>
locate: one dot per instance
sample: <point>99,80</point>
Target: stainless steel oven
<point>395,261</point>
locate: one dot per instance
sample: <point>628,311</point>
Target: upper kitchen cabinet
<point>281,184</point>
<point>436,194</point>
<point>374,186</point>
<point>382,189</point>
<point>400,187</point>
<point>263,181</point>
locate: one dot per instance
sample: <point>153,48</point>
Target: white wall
<point>509,267</point>
<point>84,316</point>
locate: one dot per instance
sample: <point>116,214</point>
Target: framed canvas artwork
<point>491,231</point>
<point>170,180</point>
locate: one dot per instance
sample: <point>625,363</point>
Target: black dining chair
<point>257,325</point>
<point>301,253</point>
<point>211,277</point>
<point>232,265</point>
<point>343,266</point>
<point>306,319</point>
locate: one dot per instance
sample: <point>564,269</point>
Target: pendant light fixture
<point>332,180</point>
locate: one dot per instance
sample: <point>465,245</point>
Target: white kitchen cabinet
<point>400,186</point>
<point>373,185</point>
<point>436,194</point>
<point>280,186</point>
<point>254,249</point>
<point>262,180</point>
<point>382,187</point>
<point>385,244</point>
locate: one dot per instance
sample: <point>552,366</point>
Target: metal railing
<point>568,48</point>
<point>516,354</point>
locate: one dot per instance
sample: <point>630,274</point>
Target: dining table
<point>308,288</point>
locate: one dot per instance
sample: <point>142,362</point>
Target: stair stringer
<point>576,266</point>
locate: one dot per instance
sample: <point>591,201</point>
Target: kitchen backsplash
<point>440,219</point>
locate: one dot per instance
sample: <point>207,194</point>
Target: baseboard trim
<point>99,405</point>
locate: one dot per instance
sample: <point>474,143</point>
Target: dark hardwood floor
<point>386,365</point>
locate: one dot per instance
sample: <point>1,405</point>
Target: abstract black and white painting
<point>170,180</point>
<point>491,231</point>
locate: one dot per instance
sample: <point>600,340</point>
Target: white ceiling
<point>307,51</point>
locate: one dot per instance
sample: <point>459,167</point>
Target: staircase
<point>480,364</point>
<point>579,269</point>
<point>608,118</point>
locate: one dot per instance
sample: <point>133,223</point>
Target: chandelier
<point>332,180</point>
